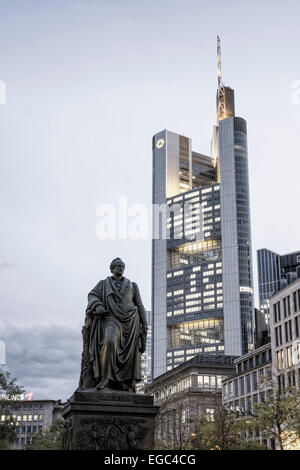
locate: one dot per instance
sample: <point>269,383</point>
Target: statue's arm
<point>95,300</point>
<point>141,309</point>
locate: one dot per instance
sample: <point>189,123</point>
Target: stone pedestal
<point>109,420</point>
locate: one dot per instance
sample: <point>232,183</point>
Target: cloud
<point>44,358</point>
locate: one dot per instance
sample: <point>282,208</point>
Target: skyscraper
<point>274,273</point>
<point>146,369</point>
<point>202,296</point>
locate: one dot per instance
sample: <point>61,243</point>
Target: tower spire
<point>221,90</point>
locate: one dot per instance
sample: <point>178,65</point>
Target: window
<point>297,327</point>
<point>286,332</point>
<point>280,335</point>
<point>278,311</point>
<point>242,388</point>
<point>286,306</point>
<point>249,405</point>
<point>290,330</point>
<point>248,382</point>
<point>295,301</point>
<point>196,332</point>
<point>289,356</point>
<point>254,381</point>
<point>279,359</point>
<point>236,387</point>
<point>276,336</point>
<point>275,312</point>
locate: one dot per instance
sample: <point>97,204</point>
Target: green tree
<point>172,427</point>
<point>221,431</point>
<point>278,415</point>
<point>10,395</point>
<point>49,439</point>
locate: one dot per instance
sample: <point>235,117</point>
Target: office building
<point>186,392</point>
<point>277,361</point>
<point>274,272</point>
<point>31,417</point>
<point>249,385</point>
<point>202,287</point>
<point>285,334</point>
<point>146,358</point>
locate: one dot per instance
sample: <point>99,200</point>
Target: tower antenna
<point>221,90</point>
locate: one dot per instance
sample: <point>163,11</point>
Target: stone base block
<point>109,420</point>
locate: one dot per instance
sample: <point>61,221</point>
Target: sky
<point>88,83</point>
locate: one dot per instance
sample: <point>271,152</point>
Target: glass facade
<point>202,296</point>
<point>201,332</point>
<point>236,237</point>
<point>274,271</point>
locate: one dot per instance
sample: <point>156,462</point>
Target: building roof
<point>262,348</point>
<point>208,360</point>
<point>288,286</point>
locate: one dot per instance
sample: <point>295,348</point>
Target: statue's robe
<point>114,340</point>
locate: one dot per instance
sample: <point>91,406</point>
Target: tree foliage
<point>172,428</point>
<point>49,439</point>
<point>221,431</point>
<point>278,415</point>
<point>10,393</point>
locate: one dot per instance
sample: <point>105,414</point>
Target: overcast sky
<point>88,82</point>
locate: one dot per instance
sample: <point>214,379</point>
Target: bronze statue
<point>114,334</point>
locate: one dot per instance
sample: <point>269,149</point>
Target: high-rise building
<point>202,295</point>
<point>274,272</point>
<point>146,357</point>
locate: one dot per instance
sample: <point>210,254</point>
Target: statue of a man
<point>114,335</point>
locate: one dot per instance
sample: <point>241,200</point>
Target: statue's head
<point>117,266</point>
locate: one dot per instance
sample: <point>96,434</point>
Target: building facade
<point>32,417</point>
<point>285,334</point>
<point>187,392</point>
<point>249,385</point>
<point>274,272</point>
<point>202,286</point>
<point>277,362</point>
